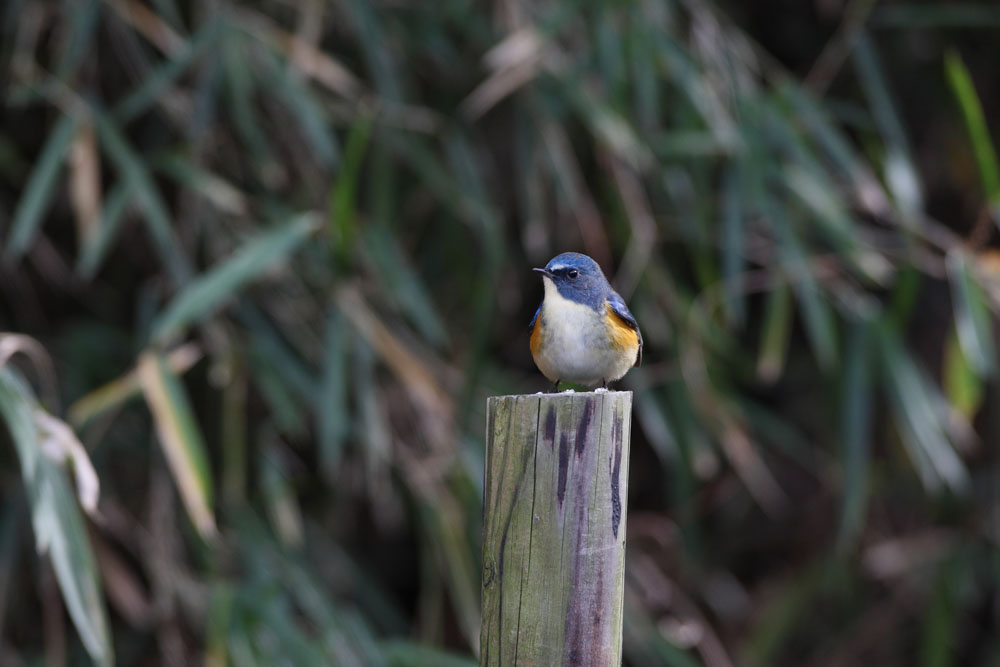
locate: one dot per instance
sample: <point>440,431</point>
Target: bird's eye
<point>572,273</point>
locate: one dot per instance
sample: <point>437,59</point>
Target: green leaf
<point>217,630</point>
<point>221,283</point>
<point>132,170</point>
<point>180,438</point>
<point>268,342</point>
<point>82,25</point>
<point>331,402</point>
<point>962,385</point>
<point>828,134</point>
<point>973,318</point>
<point>975,124</point>
<point>776,622</point>
<point>216,190</point>
<point>820,325</point>
<point>855,415</point>
<point>39,190</point>
<point>155,82</point>
<point>279,497</point>
<point>733,241</point>
<point>403,284</point>
<point>240,94</point>
<point>918,417</point>
<point>112,215</point>
<point>338,629</point>
<point>777,328</point>
<point>311,121</point>
<point>376,48</point>
<point>941,618</point>
<point>343,226</point>
<point>900,172</point>
<point>58,523</point>
<point>401,653</point>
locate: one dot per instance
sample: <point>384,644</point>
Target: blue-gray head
<point>578,278</point>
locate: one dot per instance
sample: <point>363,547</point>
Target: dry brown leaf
<point>310,60</point>
<point>85,181</point>
<point>152,27</point>
<point>411,371</point>
<point>750,468</point>
<point>122,585</point>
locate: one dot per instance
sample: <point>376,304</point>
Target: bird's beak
<point>544,272</point>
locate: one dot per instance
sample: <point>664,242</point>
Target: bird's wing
<point>532,325</point>
<point>619,308</point>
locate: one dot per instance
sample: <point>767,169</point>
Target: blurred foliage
<point>272,257</point>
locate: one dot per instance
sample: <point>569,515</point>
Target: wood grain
<point>556,483</point>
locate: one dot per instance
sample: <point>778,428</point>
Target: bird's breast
<point>573,342</point>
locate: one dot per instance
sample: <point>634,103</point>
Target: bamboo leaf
<point>219,192</point>
<point>114,394</point>
<point>58,524</point>
<point>221,283</point>
<point>973,319</point>
<point>154,83</point>
<point>343,227</point>
<point>820,325</point>
<point>975,123</point>
<point>38,191</point>
<point>401,653</point>
<point>855,415</point>
<point>917,416</point>
<point>900,172</point>
<point>403,284</point>
<point>312,122</point>
<point>112,215</point>
<point>941,617</point>
<point>377,49</point>
<point>279,497</point>
<point>962,384</point>
<point>331,410</point>
<point>132,170</point>
<point>774,339</point>
<point>240,89</point>
<point>82,24</point>
<point>733,241</point>
<point>180,438</point>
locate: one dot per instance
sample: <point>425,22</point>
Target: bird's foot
<point>601,390</point>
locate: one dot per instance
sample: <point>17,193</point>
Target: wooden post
<point>556,484</point>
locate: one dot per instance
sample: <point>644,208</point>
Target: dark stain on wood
<point>503,548</point>
<point>597,616</point>
<point>583,428</point>
<point>549,434</point>
<point>563,466</point>
<point>616,468</point>
<point>491,422</point>
<point>488,573</point>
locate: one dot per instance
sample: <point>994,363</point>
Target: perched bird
<point>582,332</point>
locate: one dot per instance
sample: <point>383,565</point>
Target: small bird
<point>582,332</point>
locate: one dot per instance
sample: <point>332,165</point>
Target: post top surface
<point>562,394</point>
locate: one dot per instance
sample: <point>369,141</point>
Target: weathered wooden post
<point>556,484</point>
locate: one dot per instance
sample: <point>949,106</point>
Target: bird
<point>582,332</point>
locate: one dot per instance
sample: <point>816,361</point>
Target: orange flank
<point>623,337</point>
<point>536,337</point>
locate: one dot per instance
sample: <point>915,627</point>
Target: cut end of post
<point>565,392</point>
